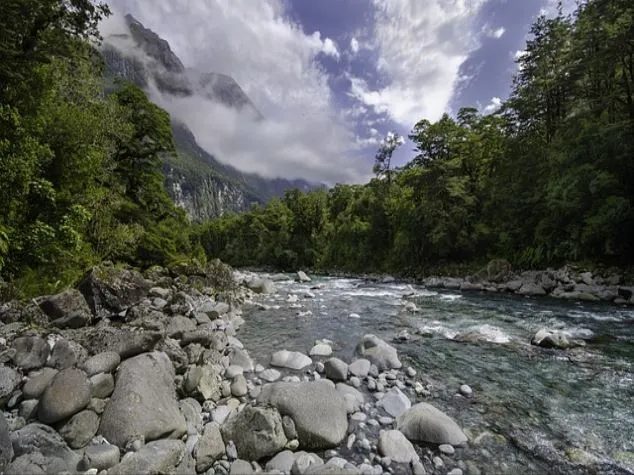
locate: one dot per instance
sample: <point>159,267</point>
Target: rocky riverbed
<point>134,373</point>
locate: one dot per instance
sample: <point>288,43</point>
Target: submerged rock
<point>378,352</point>
<point>290,359</point>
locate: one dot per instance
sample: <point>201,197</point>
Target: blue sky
<point>332,77</point>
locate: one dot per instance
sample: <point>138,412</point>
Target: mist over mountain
<point>198,180</point>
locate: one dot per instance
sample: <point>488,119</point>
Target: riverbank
<point>132,373</point>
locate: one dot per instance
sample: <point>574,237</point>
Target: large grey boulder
<point>257,432</point>
<point>316,407</point>
<point>302,277</point>
<point>111,290</point>
<point>282,462</point>
<point>159,456</point>
<point>80,429</point>
<point>68,393</point>
<point>41,439</point>
<point>395,402</point>
<point>203,381</point>
<point>393,444</point>
<point>67,309</point>
<point>531,289</point>
<point>35,463</point>
<point>144,402</point>
<point>6,448</point>
<point>31,352</point>
<point>378,352</point>
<point>353,397</point>
<point>9,380</point>
<point>210,447</point>
<point>66,354</point>
<point>290,359</point>
<point>424,423</point>
<point>126,342</point>
<point>551,339</point>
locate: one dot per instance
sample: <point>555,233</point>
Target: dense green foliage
<point>80,172</point>
<point>549,178</point>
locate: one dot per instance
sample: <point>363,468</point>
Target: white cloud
<point>274,61</point>
<point>354,45</point>
<point>493,106</point>
<point>496,33</point>
<point>421,47</point>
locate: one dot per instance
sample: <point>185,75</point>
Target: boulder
<point>10,379</point>
<point>257,432</point>
<point>270,375</point>
<point>316,407</point>
<point>395,402</point>
<point>424,423</point>
<point>31,352</point>
<point>144,403</point>
<point>551,339</point>
<point>101,385</point>
<point>320,350</point>
<point>66,354</point>
<point>393,444</point>
<point>67,394</point>
<point>302,277</point>
<point>126,342</point>
<point>80,429</point>
<point>290,359</point>
<point>531,289</point>
<point>178,325</point>
<point>41,439</point>
<point>159,456</point>
<point>240,357</point>
<point>241,467</point>
<point>35,463</point>
<point>6,448</point>
<point>112,290</point>
<point>210,447</point>
<point>261,286</point>
<point>105,362</point>
<point>101,457</point>
<point>282,462</point>
<point>336,369</point>
<point>203,381</point>
<point>359,368</point>
<point>67,309</point>
<point>378,352</point>
<point>353,397</point>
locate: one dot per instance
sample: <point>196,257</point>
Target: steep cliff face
<point>198,182</point>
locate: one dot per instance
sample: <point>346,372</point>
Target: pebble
<point>355,382</point>
<point>319,366</point>
<point>447,449</point>
<point>364,444</point>
<point>232,451</point>
<point>455,471</point>
<point>390,377</point>
<point>385,421</point>
<point>465,390</point>
<point>372,385</point>
<point>410,372</point>
<point>358,416</point>
<point>438,462</point>
<point>373,422</point>
<point>350,442</point>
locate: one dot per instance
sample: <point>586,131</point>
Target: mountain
<point>196,180</point>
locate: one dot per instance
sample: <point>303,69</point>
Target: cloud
<point>496,33</point>
<point>421,46</point>
<point>274,61</point>
<point>354,45</point>
<point>493,106</point>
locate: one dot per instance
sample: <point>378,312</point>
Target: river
<point>533,410</point>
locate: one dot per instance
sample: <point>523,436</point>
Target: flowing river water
<point>533,410</point>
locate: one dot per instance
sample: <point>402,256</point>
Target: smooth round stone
<point>355,382</point>
<point>233,370</point>
<point>386,421</point>
<point>358,416</point>
<point>364,444</point>
<point>446,449</point>
<point>455,471</point>
<point>390,377</point>
<point>466,390</point>
<point>373,422</point>
<point>438,462</point>
<point>372,386</point>
<point>320,367</point>
<point>410,372</point>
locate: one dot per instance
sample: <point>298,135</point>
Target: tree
<point>383,158</point>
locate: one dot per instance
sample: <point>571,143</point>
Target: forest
<point>547,179</point>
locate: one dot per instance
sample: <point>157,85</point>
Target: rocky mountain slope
<point>196,180</point>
